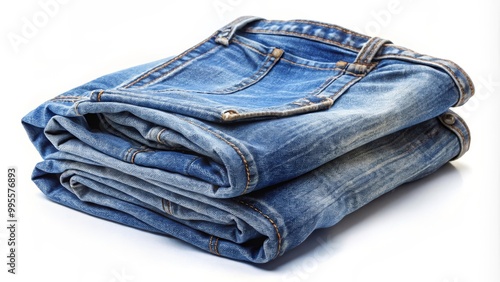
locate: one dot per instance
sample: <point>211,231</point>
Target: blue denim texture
<point>246,143</point>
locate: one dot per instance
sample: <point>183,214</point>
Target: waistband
<point>344,38</point>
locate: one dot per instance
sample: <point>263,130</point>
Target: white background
<point>444,228</point>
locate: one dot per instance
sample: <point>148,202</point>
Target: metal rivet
<point>227,115</point>
<point>277,52</point>
<point>449,119</point>
<point>222,40</point>
<point>341,64</point>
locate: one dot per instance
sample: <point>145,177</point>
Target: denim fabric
<point>247,142</point>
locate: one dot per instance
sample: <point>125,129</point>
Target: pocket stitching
<point>162,76</point>
<point>164,65</point>
<point>246,82</point>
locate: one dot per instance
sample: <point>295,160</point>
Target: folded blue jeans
<point>247,142</point>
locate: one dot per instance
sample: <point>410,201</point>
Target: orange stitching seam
<point>99,95</point>
<point>216,246</point>
<point>159,134</point>
<point>330,26</point>
<point>362,52</point>
<point>212,248</point>
<point>238,151</point>
<point>256,30</point>
<point>307,36</point>
<point>307,66</point>
<point>132,159</point>
<point>256,77</point>
<point>271,221</point>
<point>177,67</point>
<point>377,47</point>
<point>236,41</point>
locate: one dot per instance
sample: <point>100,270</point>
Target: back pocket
<point>245,80</point>
<point>210,69</point>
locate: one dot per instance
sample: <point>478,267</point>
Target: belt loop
<point>369,50</point>
<point>227,32</point>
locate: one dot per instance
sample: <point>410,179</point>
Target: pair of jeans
<point>247,142</point>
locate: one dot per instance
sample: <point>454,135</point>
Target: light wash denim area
<point>246,143</point>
